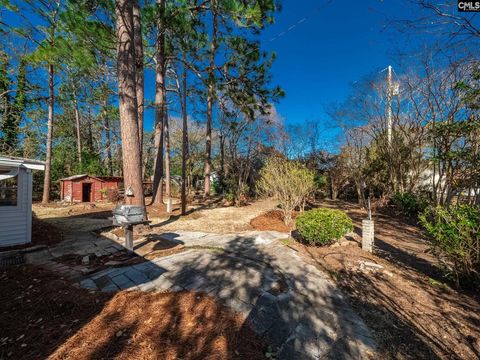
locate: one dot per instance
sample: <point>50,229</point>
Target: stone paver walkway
<point>293,305</point>
<point>79,240</point>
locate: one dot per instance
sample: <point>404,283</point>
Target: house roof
<point>15,162</point>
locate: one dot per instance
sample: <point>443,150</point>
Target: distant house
<point>428,177</point>
<point>16,199</point>
<point>86,188</point>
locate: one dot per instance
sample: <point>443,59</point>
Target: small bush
<point>323,226</point>
<point>321,185</point>
<point>217,187</point>
<point>409,203</point>
<point>236,193</point>
<point>455,237</point>
<point>114,196</point>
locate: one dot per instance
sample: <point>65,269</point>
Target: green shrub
<point>321,185</point>
<point>320,181</point>
<point>323,226</point>
<point>235,192</point>
<point>409,203</point>
<point>217,187</point>
<point>455,236</point>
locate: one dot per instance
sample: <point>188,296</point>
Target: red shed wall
<point>77,191</point>
<point>72,189</point>
<point>65,189</point>
<point>96,187</point>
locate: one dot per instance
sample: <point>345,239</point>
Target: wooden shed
<point>86,188</point>
<point>16,199</point>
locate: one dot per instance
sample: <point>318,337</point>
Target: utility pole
<point>389,105</point>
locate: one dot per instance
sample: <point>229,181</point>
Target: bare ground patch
<point>217,218</point>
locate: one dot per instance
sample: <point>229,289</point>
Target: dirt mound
<point>271,221</point>
<point>44,316</point>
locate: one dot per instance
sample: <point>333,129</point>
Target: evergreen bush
<point>455,236</point>
<point>323,226</point>
<point>409,203</point>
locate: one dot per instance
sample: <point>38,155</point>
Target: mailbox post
<point>127,216</point>
<point>129,237</point>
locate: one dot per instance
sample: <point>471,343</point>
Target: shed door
<point>86,192</point>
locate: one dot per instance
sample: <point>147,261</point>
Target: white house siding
<point>16,221</point>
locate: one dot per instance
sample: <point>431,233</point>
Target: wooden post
<point>129,237</point>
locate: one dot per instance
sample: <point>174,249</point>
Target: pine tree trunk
<point>222,161</point>
<point>108,142</point>
<point>210,100</point>
<point>160,107</point>
<point>184,142</point>
<point>48,158</point>
<point>132,166</point>
<point>168,180</point>
<point>137,25</point>
<point>77,123</point>
<point>117,170</point>
<point>146,156</point>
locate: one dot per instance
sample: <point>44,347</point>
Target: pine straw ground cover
<point>45,316</point>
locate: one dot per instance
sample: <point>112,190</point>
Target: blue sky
<point>337,44</point>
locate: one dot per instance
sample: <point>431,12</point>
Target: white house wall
<point>16,221</point>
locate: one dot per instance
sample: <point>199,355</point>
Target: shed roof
<point>74,177</point>
<point>100,178</point>
<point>110,178</point>
<point>15,162</point>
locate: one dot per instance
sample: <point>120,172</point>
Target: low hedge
<point>323,226</point>
<point>409,203</point>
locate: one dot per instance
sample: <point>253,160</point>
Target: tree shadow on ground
<point>411,318</point>
<point>396,240</point>
<point>401,335</point>
<point>181,325</point>
<point>293,315</point>
<point>400,257</point>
